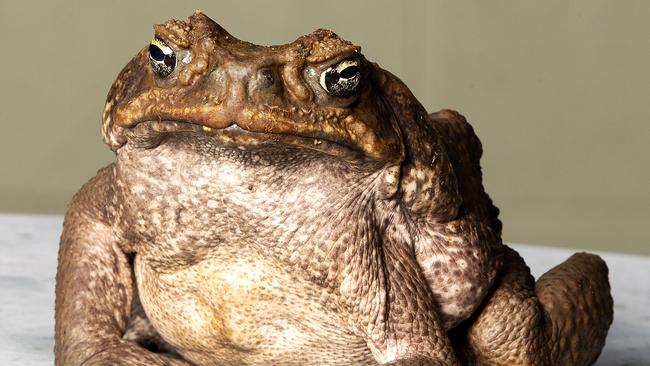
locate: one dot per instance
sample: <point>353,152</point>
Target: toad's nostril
<point>266,77</point>
<point>264,83</point>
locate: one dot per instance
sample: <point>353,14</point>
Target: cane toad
<point>296,204</point>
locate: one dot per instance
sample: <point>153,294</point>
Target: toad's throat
<point>150,134</point>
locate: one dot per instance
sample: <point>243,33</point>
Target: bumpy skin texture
<point>253,218</point>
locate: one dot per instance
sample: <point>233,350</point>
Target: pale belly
<point>234,311</point>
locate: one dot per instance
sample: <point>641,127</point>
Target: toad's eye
<point>342,79</point>
<point>161,58</point>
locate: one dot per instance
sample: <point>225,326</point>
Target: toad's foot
<point>562,319</point>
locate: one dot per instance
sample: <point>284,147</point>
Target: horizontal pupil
<point>341,80</point>
<point>349,72</point>
<point>156,53</point>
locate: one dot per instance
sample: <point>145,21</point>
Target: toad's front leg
<point>562,319</point>
<point>407,330</point>
<point>94,288</point>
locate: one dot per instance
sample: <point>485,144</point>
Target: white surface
<point>28,247</point>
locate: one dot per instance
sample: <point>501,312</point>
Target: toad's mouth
<point>150,134</point>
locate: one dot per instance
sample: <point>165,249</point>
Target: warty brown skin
<point>252,217</point>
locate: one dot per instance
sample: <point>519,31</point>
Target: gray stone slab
<point>28,247</point>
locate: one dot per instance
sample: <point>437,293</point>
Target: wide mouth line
<point>319,143</point>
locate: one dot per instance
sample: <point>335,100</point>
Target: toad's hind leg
<point>562,319</point>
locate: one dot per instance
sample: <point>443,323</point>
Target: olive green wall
<point>558,91</point>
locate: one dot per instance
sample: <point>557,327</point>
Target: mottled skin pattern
<point>253,218</point>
